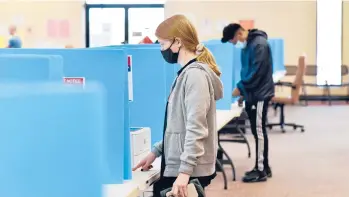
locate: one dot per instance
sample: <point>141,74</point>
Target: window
<point>107,26</point>
<point>114,24</point>
<point>329,41</point>
<point>140,26</point>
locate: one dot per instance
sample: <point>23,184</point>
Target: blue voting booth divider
<point>236,70</point>
<point>228,58</point>
<point>149,90</point>
<point>30,68</point>
<point>109,67</point>
<point>52,140</point>
<point>152,79</point>
<point>277,49</point>
<point>170,70</point>
<point>223,55</point>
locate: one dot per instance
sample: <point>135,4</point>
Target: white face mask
<point>240,44</point>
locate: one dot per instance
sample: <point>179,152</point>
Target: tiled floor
<point>310,164</point>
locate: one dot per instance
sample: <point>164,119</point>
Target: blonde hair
<point>178,26</point>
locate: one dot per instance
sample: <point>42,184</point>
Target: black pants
<point>257,114</point>
<point>167,182</point>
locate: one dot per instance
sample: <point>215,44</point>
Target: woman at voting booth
<point>189,144</point>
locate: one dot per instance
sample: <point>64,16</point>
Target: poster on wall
<point>64,29</point>
<point>58,28</point>
<point>247,24</point>
<point>52,28</point>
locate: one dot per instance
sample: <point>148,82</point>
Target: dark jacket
<point>257,68</point>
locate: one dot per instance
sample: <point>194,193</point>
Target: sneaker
<point>255,176</point>
<point>250,172</point>
<point>268,171</point>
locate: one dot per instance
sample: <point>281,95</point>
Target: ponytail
<point>206,57</point>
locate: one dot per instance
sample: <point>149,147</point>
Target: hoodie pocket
<point>174,148</point>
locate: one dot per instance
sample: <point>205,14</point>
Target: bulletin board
<point>50,24</point>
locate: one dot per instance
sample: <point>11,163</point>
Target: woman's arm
<point>197,103</point>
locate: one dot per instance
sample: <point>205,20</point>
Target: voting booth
<point>108,67</point>
<point>52,140</point>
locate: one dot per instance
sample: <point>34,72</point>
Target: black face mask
<point>170,56</point>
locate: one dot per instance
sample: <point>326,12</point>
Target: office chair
<point>280,102</point>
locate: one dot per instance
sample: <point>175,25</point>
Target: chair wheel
<point>302,130</point>
<point>294,127</point>
<point>283,131</point>
<point>270,127</point>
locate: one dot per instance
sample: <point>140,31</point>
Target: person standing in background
<point>257,89</point>
<point>14,41</point>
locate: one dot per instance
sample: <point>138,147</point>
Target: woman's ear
<point>178,42</point>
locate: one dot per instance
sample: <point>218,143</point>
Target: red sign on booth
<point>74,80</point>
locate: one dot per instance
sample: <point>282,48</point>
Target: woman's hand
<point>145,163</point>
<point>179,188</point>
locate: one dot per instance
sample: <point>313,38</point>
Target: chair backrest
<point>297,83</point>
<point>312,70</point>
<point>298,80</point>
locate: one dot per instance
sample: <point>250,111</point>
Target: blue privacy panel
<point>29,68</point>
<point>214,41</point>
<point>277,49</point>
<point>152,78</point>
<point>233,54</point>
<point>134,46</point>
<point>281,55</point>
<point>51,141</point>
<point>223,55</point>
<point>236,69</point>
<point>169,69</point>
<point>149,90</point>
<point>127,171</point>
<point>109,67</point>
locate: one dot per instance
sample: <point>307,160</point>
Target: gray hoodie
<point>190,142</point>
